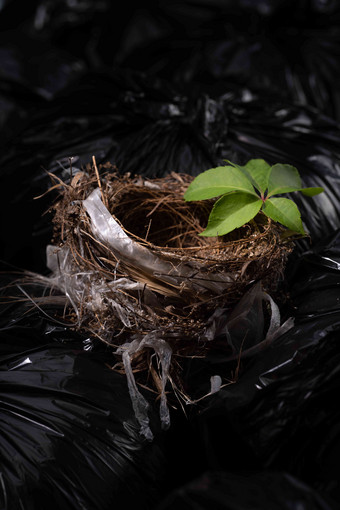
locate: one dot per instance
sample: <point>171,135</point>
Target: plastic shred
<point>140,405</point>
<point>106,229</point>
<point>216,383</point>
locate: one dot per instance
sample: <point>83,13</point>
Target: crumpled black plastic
<point>69,437</point>
<point>235,80</point>
<point>287,47</point>
<point>282,412</point>
<point>247,491</point>
<point>290,47</point>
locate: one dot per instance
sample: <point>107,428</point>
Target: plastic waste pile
<point>171,87</point>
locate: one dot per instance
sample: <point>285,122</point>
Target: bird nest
<point>127,254</point>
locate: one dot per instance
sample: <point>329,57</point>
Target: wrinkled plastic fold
<point>187,275</point>
<point>140,405</point>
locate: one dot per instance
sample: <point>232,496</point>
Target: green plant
<point>245,191</point>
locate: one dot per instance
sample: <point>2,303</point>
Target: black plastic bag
<point>246,491</point>
<point>212,103</point>
<point>283,409</point>
<point>287,47</point>
<point>69,437</point>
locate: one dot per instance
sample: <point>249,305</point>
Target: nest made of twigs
<point>115,297</point>
<point>153,213</point>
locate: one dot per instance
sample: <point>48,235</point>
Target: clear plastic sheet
<point>247,320</point>
<point>106,229</point>
<point>243,329</point>
<point>86,287</point>
<point>140,405</point>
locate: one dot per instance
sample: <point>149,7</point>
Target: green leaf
<point>283,179</point>
<point>259,171</point>
<point>284,211</point>
<point>218,181</point>
<point>243,170</point>
<point>231,211</point>
<point>311,192</point>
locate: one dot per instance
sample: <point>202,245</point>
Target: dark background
<point>172,85</point>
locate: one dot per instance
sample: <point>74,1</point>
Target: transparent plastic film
<point>185,275</point>
<point>140,405</point>
<point>88,291</point>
